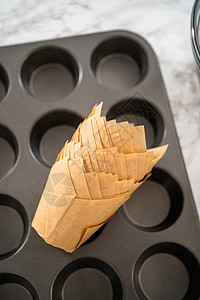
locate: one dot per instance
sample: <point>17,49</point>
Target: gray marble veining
<point>164,23</point>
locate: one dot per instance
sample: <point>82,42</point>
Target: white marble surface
<point>164,23</point>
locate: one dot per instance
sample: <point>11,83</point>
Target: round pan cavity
<point>119,63</point>
<point>13,286</point>
<point>167,271</point>
<point>156,205</point>
<point>94,236</point>
<point>4,83</point>
<point>140,112</point>
<point>9,150</point>
<point>50,134</point>
<point>49,74</point>
<point>13,226</point>
<point>87,278</point>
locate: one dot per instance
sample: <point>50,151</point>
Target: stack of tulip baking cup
<point>94,174</point>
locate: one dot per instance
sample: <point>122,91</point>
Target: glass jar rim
<point>195,20</point>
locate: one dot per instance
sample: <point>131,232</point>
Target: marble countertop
<point>164,23</point>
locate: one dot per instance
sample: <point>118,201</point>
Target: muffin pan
<point>150,249</point>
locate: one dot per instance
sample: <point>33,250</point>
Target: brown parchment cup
<point>94,174</point>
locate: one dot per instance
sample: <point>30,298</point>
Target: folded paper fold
<point>94,174</point>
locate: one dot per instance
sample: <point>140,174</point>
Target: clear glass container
<point>195,31</point>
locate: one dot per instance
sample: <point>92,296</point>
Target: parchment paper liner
<point>94,174</point>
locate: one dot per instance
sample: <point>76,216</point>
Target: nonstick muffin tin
<point>150,249</point>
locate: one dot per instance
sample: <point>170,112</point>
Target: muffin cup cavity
<point>94,236</point>
<point>4,83</point>
<point>167,271</point>
<point>119,63</point>
<point>49,74</point>
<point>13,286</point>
<point>87,278</point>
<point>50,134</point>
<point>156,205</point>
<point>9,151</point>
<point>13,226</point>
<point>140,112</point>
